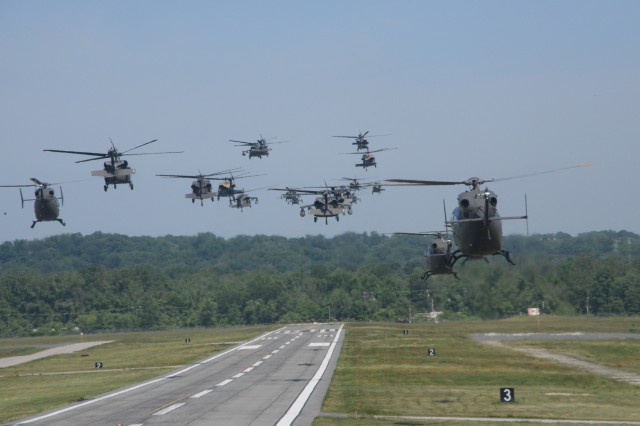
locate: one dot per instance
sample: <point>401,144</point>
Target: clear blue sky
<point>466,88</point>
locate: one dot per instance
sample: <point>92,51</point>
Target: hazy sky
<point>465,88</point>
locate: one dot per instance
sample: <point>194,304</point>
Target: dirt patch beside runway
<point>66,349</point>
<point>495,339</point>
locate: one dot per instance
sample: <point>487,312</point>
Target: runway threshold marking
<point>299,403</point>
<point>142,385</point>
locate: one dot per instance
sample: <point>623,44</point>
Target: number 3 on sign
<point>507,395</point>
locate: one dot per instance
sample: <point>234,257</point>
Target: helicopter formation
<point>475,223</point>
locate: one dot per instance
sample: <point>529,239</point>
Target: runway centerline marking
<point>203,393</point>
<point>224,382</point>
<point>169,409</point>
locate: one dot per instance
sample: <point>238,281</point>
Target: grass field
<point>383,372</point>
<point>36,386</point>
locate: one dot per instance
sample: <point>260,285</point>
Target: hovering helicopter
<point>45,204</point>
<point>291,196</point>
<point>115,170</point>
<point>201,187</point>
<point>227,186</point>
<point>258,148</point>
<point>368,159</point>
<point>476,224</point>
<point>328,204</point>
<point>438,256</point>
<point>376,187</point>
<point>354,183</point>
<point>360,141</point>
<point>241,201</point>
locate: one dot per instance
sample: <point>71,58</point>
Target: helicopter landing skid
<point>505,254</point>
<point>427,274</point>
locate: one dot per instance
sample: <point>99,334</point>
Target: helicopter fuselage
<point>476,224</point>
<point>257,151</point>
<point>45,205</point>
<point>115,173</point>
<point>368,160</point>
<point>438,257</point>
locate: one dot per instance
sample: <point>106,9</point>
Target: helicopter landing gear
<point>34,223</point>
<point>315,219</point>
<point>506,255</point>
<point>131,185</point>
<point>337,218</point>
<point>61,222</point>
<point>106,187</point>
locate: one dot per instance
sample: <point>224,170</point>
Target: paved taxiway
<point>278,377</point>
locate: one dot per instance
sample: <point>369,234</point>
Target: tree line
<point>102,281</point>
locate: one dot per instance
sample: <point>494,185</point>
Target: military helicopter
<point>258,148</point>
<point>360,141</point>
<point>241,200</point>
<point>201,187</point>
<point>227,186</point>
<point>354,183</point>
<point>291,196</point>
<point>368,159</point>
<point>476,224</point>
<point>438,256</point>
<point>115,170</point>
<point>376,187</point>
<point>45,204</point>
<point>328,204</point>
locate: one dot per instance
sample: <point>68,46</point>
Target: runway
<point>278,378</point>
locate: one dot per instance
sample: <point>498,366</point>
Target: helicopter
<point>354,183</point>
<point>368,159</point>
<point>258,148</point>
<point>438,256</point>
<point>476,224</point>
<point>291,196</point>
<point>360,141</point>
<point>376,187</point>
<point>227,186</point>
<point>328,204</point>
<point>115,170</point>
<point>201,187</point>
<point>241,200</point>
<point>45,204</point>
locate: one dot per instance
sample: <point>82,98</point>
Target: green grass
<point>383,372</point>
<point>40,385</point>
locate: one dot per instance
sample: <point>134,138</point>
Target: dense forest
<point>71,283</point>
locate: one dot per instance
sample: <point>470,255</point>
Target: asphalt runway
<point>278,378</point>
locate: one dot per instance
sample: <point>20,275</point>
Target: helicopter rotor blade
<point>542,173</point>
<point>93,159</point>
<point>95,154</point>
<point>412,182</point>
<point>153,153</point>
<point>136,147</point>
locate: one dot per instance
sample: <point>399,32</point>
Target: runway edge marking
<point>298,404</point>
